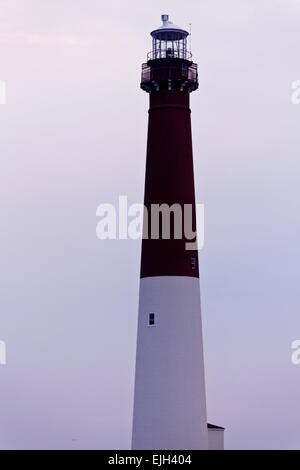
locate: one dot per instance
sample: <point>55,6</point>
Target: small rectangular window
<point>184,70</point>
<point>193,262</point>
<point>151,319</point>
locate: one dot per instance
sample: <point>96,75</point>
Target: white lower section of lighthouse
<point>169,399</point>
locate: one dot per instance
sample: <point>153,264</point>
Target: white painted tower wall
<point>169,402</point>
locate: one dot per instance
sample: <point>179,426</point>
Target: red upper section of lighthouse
<point>169,77</point>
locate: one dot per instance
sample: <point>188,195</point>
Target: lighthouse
<point>169,395</point>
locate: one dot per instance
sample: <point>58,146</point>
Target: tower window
<point>184,70</point>
<point>193,262</point>
<point>151,321</point>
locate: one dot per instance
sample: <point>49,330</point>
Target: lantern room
<point>169,41</point>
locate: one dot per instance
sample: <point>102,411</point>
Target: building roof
<point>213,426</point>
<point>169,30</point>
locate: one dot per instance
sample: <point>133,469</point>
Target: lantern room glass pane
<point>167,48</point>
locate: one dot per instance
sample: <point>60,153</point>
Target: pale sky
<point>72,136</point>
